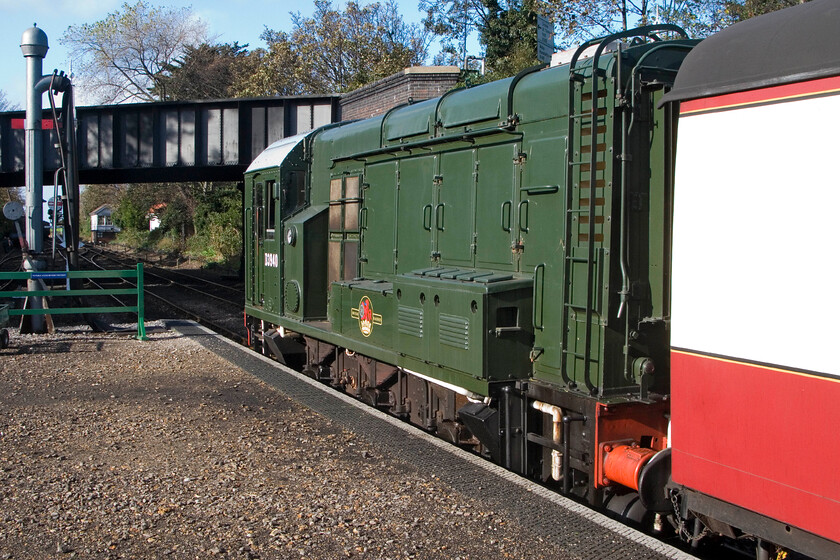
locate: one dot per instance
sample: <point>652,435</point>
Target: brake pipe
<point>557,430</point>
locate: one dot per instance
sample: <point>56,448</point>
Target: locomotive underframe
<point>508,429</point>
<point>532,428</point>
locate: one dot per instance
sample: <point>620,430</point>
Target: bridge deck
<point>167,141</point>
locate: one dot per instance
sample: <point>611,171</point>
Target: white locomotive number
<point>271,260</point>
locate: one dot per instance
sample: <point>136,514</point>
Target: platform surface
<point>576,529</point>
<point>190,446</point>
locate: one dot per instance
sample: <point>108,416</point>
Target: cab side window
<point>343,253</point>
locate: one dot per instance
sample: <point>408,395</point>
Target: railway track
<point>10,262</point>
<point>210,302</point>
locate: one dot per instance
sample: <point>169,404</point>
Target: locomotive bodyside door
<point>454,211</point>
<point>271,248</point>
<point>264,250</point>
<point>494,225</point>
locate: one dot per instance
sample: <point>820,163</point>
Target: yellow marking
<point>827,377</point>
<point>761,102</point>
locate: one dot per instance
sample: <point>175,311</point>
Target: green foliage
<point>135,200</point>
<point>124,56</point>
<point>94,196</point>
<point>269,71</point>
<point>579,20</point>
<point>217,243</point>
<point>170,243</point>
<point>339,51</point>
<point>221,207</point>
<point>176,216</point>
<point>507,31</point>
<point>507,28</point>
<point>135,239</point>
<point>218,226</point>
<point>201,219</point>
<point>130,215</point>
<point>745,9</point>
<point>203,72</point>
<point>509,37</point>
<point>146,53</point>
<point>452,21</point>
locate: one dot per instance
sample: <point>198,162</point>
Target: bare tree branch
<point>122,57</point>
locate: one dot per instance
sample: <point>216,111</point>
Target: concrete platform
<point>578,530</point>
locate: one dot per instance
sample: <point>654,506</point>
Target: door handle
<point>363,218</point>
<point>538,296</point>
<point>509,205</point>
<point>523,216</point>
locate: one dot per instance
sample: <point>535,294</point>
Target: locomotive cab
<point>275,199</point>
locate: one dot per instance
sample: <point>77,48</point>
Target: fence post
<point>141,326</point>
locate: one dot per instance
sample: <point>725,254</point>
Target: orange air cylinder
<point>623,464</point>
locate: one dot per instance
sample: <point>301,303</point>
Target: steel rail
<point>189,313</point>
<point>172,283</point>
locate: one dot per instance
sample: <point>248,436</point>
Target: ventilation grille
<point>410,321</point>
<point>454,331</point>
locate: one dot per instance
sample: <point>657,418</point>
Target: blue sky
<point>228,20</point>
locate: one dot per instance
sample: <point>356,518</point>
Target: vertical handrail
<point>537,297</point>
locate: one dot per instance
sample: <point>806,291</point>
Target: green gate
<point>81,275</point>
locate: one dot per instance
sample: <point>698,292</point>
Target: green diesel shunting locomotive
<point>491,264</point>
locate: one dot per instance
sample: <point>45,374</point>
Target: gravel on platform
<point>115,448</point>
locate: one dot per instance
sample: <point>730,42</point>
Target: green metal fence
<point>136,274</point>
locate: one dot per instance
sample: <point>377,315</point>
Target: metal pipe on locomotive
<point>495,265</point>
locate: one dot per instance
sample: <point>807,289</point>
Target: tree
<point>218,222</point>
<point>509,37</point>
<point>338,51</point>
<point>745,9</point>
<point>507,31</point>
<point>452,21</point>
<point>124,56</point>
<point>135,200</point>
<point>94,196</point>
<point>204,72</point>
<point>507,28</point>
<point>5,104</point>
<point>579,20</point>
<point>270,71</point>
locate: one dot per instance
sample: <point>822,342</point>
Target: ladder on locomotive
<point>586,164</point>
<point>586,182</point>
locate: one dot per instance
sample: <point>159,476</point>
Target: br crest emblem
<point>367,318</point>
